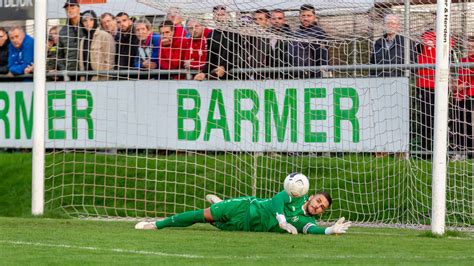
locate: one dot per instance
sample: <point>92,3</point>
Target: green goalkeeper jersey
<point>263,214</point>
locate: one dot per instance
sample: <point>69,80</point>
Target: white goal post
<point>342,105</point>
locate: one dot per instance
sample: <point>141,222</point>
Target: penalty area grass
<point>72,242</point>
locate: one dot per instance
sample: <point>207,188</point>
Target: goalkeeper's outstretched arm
<point>340,227</point>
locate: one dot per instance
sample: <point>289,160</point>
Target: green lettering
<point>20,112</point>
<point>189,114</point>
<point>82,113</point>
<point>55,114</point>
<point>346,114</point>
<point>249,115</point>
<point>4,113</point>
<point>217,100</point>
<point>313,114</point>
<point>289,110</point>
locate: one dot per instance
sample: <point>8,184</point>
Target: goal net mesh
<point>333,94</point>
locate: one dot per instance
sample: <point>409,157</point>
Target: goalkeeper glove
<point>286,226</point>
<point>340,227</point>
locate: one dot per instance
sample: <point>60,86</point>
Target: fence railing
<point>157,73</point>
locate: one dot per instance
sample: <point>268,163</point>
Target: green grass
<point>365,188</point>
<point>74,242</point>
<point>46,241</point>
<point>15,184</point>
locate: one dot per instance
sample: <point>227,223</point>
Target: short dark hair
<point>278,10</point>
<point>263,11</point>
<point>307,7</point>
<point>326,195</point>
<point>4,30</point>
<point>167,23</point>
<point>119,14</point>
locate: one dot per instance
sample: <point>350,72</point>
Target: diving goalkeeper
<point>282,213</point>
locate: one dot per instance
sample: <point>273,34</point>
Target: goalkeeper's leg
<point>179,220</point>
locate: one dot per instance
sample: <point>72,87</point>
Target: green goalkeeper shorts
<point>232,214</point>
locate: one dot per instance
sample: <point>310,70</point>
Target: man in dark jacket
<point>390,49</point>
<point>127,42</point>
<point>309,53</point>
<point>4,51</point>
<point>69,36</point>
<point>279,43</point>
<point>224,47</point>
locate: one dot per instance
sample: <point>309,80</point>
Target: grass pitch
<point>72,242</point>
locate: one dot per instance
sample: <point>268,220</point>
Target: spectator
<point>279,44</point>
<point>20,52</point>
<point>69,36</point>
<point>220,15</point>
<point>149,48</point>
<point>180,34</point>
<point>4,43</point>
<point>309,53</point>
<point>464,96</point>
<point>97,47</point>
<point>262,18</point>
<point>223,49</point>
<point>169,57</point>
<point>51,57</point>
<point>196,46</point>
<point>390,49</point>
<point>255,50</point>
<point>127,42</point>
<point>425,85</point>
<point>109,24</point>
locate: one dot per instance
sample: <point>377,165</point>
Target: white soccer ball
<point>296,185</point>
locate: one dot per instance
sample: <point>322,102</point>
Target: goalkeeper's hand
<point>340,227</point>
<point>286,226</point>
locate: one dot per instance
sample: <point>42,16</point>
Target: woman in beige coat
<point>97,48</point>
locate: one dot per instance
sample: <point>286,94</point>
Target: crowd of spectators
<point>91,43</point>
<point>263,44</point>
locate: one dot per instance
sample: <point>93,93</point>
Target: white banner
<point>351,115</point>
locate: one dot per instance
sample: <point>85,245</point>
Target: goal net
<point>143,125</point>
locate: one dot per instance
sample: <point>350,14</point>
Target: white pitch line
<point>119,250</point>
<point>191,256</point>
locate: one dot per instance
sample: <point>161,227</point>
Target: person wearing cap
<point>69,36</point>
<point>97,47</point>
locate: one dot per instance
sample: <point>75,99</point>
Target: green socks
<point>182,219</point>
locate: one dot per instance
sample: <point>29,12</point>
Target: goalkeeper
<point>282,213</point>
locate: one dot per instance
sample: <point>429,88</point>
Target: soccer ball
<point>296,185</point>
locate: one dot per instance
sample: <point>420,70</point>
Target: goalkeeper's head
<point>318,203</point>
